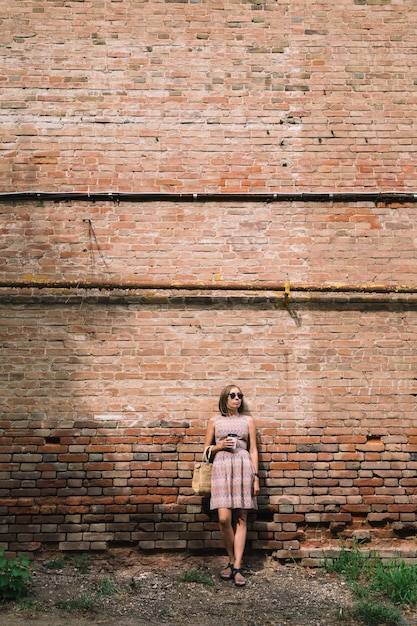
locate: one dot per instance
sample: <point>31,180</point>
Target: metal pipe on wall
<point>286,288</point>
<point>116,196</point>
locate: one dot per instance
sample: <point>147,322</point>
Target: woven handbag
<point>201,483</point>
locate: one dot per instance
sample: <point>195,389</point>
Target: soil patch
<point>128,588</point>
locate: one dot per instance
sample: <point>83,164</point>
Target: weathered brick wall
<point>234,95</point>
<point>105,394</point>
<point>241,241</point>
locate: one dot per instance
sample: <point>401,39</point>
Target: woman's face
<point>233,400</point>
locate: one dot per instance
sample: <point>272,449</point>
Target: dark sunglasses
<point>233,395</point>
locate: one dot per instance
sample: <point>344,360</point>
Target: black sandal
<point>237,570</point>
<point>224,575</point>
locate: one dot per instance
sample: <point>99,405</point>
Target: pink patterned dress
<point>233,473</point>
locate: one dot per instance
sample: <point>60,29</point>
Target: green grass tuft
<point>397,580</point>
<point>58,562</point>
<point>379,587</point>
<point>84,602</point>
<point>106,587</point>
<point>196,576</point>
<point>376,614</point>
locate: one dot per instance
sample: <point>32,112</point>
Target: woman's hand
<point>229,443</point>
<point>256,485</point>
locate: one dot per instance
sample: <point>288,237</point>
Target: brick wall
<point>104,394</point>
<point>234,95</point>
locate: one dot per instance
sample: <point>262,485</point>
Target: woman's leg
<point>233,529</point>
<point>241,517</point>
<point>227,533</point>
<point>240,523</point>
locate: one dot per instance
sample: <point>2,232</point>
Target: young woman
<point>235,481</point>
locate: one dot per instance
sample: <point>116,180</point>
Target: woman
<point>235,480</point>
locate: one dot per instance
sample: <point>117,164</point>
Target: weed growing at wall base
<point>378,586</point>
<point>14,577</point>
<point>397,580</point>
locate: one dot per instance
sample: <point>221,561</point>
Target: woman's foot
<point>227,572</point>
<point>239,579</point>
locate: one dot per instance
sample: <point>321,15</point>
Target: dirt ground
<point>126,588</point>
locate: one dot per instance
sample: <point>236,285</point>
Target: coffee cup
<point>234,437</point>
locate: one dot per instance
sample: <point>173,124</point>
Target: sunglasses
<point>234,395</point>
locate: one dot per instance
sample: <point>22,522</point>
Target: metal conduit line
<point>286,288</point>
<point>116,196</point>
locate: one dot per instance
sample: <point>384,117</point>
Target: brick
<point>74,546</point>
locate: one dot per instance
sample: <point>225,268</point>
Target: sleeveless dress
<point>233,472</point>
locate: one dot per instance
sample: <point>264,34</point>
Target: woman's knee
<point>225,520</point>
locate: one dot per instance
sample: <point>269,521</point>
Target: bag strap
<point>207,454</point>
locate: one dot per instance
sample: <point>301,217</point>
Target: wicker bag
<point>201,483</point>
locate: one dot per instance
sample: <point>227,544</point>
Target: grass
<point>106,587</point>
<point>380,587</point>
<point>84,602</point>
<point>398,580</point>
<point>15,575</point>
<point>27,604</point>
<point>375,613</point>
<point>197,576</point>
<point>58,562</point>
<point>79,562</point>
<point>82,562</point>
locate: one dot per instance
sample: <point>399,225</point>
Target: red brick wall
<point>233,95</point>
<point>105,394</point>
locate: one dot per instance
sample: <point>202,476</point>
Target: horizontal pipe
<point>364,196</point>
<point>286,288</point>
